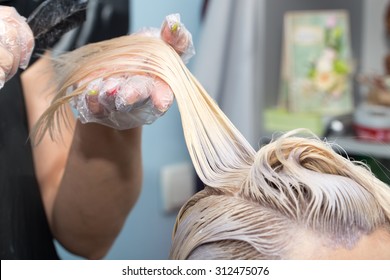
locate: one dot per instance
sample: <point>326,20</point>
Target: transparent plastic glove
<point>124,102</point>
<point>176,34</point>
<point>16,43</point>
<point>173,32</point>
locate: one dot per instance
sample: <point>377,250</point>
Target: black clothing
<point>24,230</point>
<point>24,7</point>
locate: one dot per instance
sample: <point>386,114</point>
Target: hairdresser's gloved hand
<point>124,102</point>
<point>16,43</point>
<point>174,33</point>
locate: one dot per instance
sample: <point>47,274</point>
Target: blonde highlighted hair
<point>297,187</point>
<point>254,203</point>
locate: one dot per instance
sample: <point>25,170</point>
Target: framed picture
<point>317,63</point>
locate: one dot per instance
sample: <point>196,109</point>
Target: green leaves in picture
<point>329,70</point>
<point>334,37</point>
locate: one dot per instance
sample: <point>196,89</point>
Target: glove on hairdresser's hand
<point>16,43</point>
<point>124,102</point>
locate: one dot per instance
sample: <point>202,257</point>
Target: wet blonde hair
<point>297,186</point>
<point>254,203</point>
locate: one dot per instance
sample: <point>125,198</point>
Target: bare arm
<point>89,182</point>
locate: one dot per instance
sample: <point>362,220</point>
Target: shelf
<point>357,147</point>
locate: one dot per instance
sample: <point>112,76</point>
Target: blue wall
<point>147,232</point>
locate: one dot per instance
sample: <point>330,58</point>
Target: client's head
<point>299,200</point>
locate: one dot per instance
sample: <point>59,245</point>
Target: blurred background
<point>239,47</point>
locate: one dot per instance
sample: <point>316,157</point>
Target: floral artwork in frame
<point>316,66</point>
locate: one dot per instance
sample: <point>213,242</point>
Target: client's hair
<point>297,188</point>
<point>255,204</point>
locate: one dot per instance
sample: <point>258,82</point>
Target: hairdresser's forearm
<point>86,191</point>
<point>101,183</point>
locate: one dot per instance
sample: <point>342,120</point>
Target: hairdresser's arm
<point>88,182</point>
